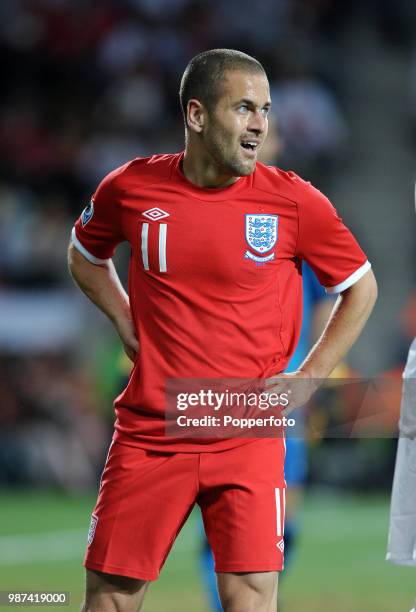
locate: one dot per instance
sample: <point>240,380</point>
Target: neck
<point>201,169</point>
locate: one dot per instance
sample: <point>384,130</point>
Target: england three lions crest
<point>261,236</point>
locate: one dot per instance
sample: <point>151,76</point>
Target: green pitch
<point>338,567</point>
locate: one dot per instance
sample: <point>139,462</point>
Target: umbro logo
<point>155,214</point>
<point>281,545</point>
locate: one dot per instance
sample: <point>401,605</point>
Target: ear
<point>195,116</point>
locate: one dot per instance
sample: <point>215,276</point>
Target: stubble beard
<point>228,163</point>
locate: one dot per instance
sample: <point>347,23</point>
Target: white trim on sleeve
<point>351,280</point>
<point>83,250</point>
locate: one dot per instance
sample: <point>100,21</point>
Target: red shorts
<point>145,497</point>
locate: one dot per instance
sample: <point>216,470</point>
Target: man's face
<point>237,125</point>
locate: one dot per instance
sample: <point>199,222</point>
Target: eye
<point>243,108</point>
<point>265,111</point>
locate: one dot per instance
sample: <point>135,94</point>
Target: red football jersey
<point>215,281</point>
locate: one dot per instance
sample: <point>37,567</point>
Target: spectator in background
<point>312,126</point>
<point>50,431</point>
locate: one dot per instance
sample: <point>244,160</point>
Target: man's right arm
<point>102,285</point>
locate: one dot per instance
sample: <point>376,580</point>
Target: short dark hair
<point>204,74</point>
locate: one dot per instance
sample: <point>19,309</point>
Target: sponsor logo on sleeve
<point>91,530</point>
<point>87,213</point>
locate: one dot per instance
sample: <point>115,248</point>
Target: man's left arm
<point>341,266</point>
<point>348,317</point>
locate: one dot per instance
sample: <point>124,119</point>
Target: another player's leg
<point>295,476</point>
<point>111,593</point>
<point>248,592</point>
<point>208,575</point>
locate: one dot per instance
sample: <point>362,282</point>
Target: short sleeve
<point>327,244</point>
<point>98,230</point>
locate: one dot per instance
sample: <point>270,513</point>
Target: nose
<point>257,123</point>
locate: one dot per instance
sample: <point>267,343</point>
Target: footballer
<point>215,291</point>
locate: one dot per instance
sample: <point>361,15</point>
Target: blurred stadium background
<point>89,84</point>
